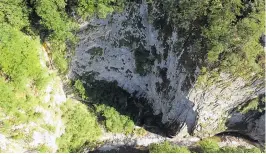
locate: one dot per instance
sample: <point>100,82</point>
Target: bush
<point>86,8</point>
<point>59,55</point>
<point>251,105</point>
<point>80,89</point>
<point>209,146</point>
<point>114,122</point>
<point>43,149</point>
<point>239,150</point>
<point>81,127</point>
<point>48,127</point>
<point>166,147</point>
<point>140,132</point>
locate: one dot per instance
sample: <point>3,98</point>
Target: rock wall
<point>143,56</point>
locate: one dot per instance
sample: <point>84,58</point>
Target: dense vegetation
<point>21,76</point>
<point>27,26</point>
<point>204,146</point>
<point>166,147</point>
<point>218,28</point>
<point>211,146</point>
<point>108,111</point>
<point>81,127</point>
<point>229,32</point>
<point>113,121</point>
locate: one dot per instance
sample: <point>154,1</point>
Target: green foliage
<point>81,127</point>
<point>51,20</point>
<point>19,57</point>
<point>114,122</point>
<point>101,8</point>
<point>140,132</point>
<point>14,13</point>
<point>21,78</point>
<point>256,104</point>
<point>49,128</point>
<point>80,89</point>
<point>166,147</point>
<point>17,134</point>
<point>43,149</point>
<point>59,55</point>
<point>211,146</point>
<point>222,28</point>
<point>54,18</point>
<point>252,105</point>
<point>239,150</point>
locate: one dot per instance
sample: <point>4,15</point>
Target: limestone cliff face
<point>144,58</point>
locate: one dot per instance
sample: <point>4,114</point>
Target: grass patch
<point>210,145</point>
<point>166,147</point>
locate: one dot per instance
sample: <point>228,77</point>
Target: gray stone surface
<point>185,107</point>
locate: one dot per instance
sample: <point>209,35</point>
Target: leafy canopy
<point>81,127</point>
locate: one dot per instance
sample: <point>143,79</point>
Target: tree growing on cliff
<point>229,32</point>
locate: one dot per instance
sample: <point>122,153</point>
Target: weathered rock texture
<point>142,55</point>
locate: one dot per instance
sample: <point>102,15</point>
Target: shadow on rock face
<point>139,70</point>
<point>147,69</point>
<point>138,109</point>
<point>250,124</point>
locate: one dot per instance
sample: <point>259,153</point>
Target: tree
<point>14,13</point>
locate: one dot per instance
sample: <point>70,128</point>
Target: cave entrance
<point>136,108</point>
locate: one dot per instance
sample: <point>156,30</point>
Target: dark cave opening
<point>138,109</point>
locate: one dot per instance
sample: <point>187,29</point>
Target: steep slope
<point>144,57</point>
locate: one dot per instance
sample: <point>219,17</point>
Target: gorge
<point>140,53</point>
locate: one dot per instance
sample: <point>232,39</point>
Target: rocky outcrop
<point>146,59</point>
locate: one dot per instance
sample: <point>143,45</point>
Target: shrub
<point>49,127</point>
<point>43,148</point>
<point>209,146</point>
<point>239,150</point>
<point>251,105</point>
<point>81,127</point>
<point>166,147</point>
<point>59,55</point>
<point>80,89</point>
<point>86,8</point>
<point>140,132</point>
<point>114,122</point>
